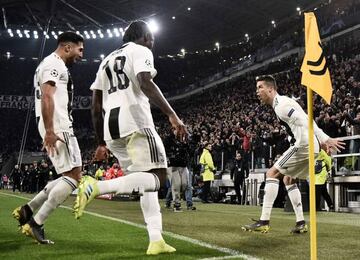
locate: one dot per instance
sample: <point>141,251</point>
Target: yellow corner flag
<point>315,72</point>
<point>316,77</point>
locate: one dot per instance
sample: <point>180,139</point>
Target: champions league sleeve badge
<point>54,73</point>
<point>148,63</point>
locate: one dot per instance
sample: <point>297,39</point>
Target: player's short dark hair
<point>135,31</point>
<point>69,36</point>
<point>269,79</point>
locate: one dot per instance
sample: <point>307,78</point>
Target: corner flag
<point>316,77</point>
<point>315,72</point>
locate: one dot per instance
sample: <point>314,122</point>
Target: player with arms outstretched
<point>294,162</point>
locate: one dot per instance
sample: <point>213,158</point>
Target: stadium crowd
<point>228,116</point>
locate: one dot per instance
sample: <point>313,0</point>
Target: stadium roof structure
<point>189,24</point>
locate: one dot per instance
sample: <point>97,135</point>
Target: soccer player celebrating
<point>53,102</point>
<point>294,163</point>
<point>123,87</point>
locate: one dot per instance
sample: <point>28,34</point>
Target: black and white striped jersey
<point>53,68</point>
<point>127,108</point>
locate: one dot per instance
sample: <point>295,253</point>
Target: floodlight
<point>153,26</point>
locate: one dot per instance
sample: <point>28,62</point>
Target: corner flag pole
<point>313,230</point>
<point>316,77</point>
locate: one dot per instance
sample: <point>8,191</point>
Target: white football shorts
<point>294,162</point>
<point>142,150</point>
<point>68,156</point>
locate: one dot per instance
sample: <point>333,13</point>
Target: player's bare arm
<point>96,114</point>
<point>101,152</point>
<point>152,91</point>
<point>47,110</point>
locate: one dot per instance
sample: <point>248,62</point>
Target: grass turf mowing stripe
<point>233,253</point>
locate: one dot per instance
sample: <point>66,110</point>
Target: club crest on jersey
<point>54,73</point>
<point>148,63</point>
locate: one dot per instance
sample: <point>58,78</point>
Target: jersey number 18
<point>121,81</point>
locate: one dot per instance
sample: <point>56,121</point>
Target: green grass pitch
<point>213,231</point>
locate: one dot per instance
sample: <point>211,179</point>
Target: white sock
<point>40,198</point>
<point>150,207</point>
<point>295,198</point>
<point>58,194</point>
<point>271,191</point>
<point>137,181</point>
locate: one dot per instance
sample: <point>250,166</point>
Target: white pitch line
<point>233,253</point>
<point>229,257</point>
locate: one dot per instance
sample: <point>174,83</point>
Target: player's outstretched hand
<point>101,153</point>
<point>334,144</point>
<point>180,128</point>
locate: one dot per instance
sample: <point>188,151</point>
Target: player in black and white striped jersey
<point>53,102</point>
<point>124,88</point>
<point>293,163</point>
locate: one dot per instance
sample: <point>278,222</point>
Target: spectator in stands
<point>237,174</point>
<point>115,171</point>
<point>34,177</point>
<point>5,181</point>
<point>246,147</point>
<point>26,179</point>
<point>43,175</point>
<point>100,173</point>
<point>16,177</point>
<point>355,122</point>
<point>208,169</point>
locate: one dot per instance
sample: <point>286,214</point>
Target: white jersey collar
<point>275,100</point>
<point>58,57</point>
